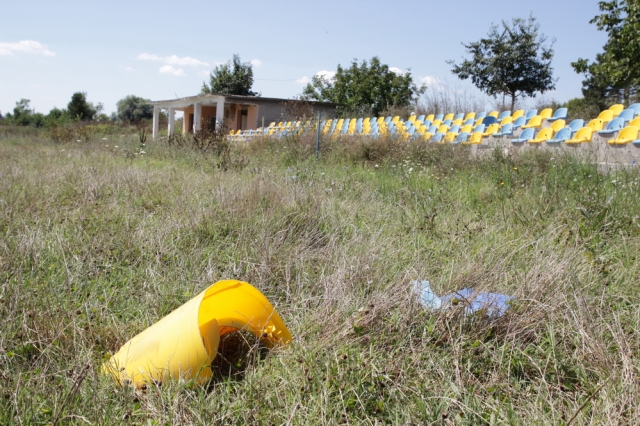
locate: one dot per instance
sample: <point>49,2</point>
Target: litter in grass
<point>494,304</point>
<point>183,344</point>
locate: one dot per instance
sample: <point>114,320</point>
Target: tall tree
<point>232,78</point>
<point>134,108</point>
<point>22,113</point>
<point>79,108</point>
<point>512,61</point>
<point>368,87</point>
<point>615,71</point>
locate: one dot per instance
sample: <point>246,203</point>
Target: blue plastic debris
<point>494,304</point>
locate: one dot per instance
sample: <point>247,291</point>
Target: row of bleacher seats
<point>472,128</point>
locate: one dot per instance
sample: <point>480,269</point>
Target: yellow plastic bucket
<point>183,344</point>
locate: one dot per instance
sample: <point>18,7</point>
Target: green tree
<point>79,108</point>
<point>511,61</point>
<point>22,113</point>
<point>232,78</point>
<point>615,75</point>
<point>365,88</point>
<point>134,109</point>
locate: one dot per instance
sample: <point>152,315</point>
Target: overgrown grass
<point>99,242</point>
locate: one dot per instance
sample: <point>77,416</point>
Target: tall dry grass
<point>99,242</point>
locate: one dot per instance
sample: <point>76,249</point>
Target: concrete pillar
<point>172,115</point>
<point>252,117</point>
<point>219,113</point>
<point>156,122</point>
<point>197,117</point>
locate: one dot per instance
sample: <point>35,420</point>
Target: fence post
<point>318,137</point>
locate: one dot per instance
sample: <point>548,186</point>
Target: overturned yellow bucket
<point>183,344</point>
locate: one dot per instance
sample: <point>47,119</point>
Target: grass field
<point>100,239</point>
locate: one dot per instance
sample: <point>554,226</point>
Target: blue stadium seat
<point>503,115</point>
<point>627,114</point>
<point>531,113</point>
<point>562,135</point>
<point>506,130</point>
<point>462,137</point>
<point>520,121</point>
<point>489,120</point>
<point>526,135</point>
<point>439,117</point>
<point>560,114</point>
<point>576,125</point>
<point>482,114</point>
<point>614,125</point>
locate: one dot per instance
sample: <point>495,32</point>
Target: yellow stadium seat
<point>450,137</point>
<point>478,122</point>
<point>606,115</point>
<point>491,130</point>
<point>475,138</point>
<point>542,136</point>
<point>506,120</point>
<point>457,122</point>
<point>596,124</point>
<point>443,128</point>
<point>471,115</point>
<point>449,116</point>
<point>494,114</point>
<point>395,119</point>
<point>546,113</point>
<point>430,117</point>
<point>518,113</point>
<point>626,135</point>
<point>616,109</point>
<point>436,123</point>
<point>466,129</point>
<point>557,125</point>
<point>412,118</point>
<point>535,122</point>
<point>583,135</point>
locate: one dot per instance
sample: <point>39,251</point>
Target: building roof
<point>213,97</point>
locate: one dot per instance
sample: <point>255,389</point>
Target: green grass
<point>98,242</point>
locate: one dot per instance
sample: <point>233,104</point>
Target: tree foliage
<point>134,109</point>
<point>512,61</point>
<point>232,78</point>
<point>615,75</point>
<point>365,88</point>
<point>80,109</point>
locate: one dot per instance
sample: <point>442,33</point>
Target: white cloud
<point>25,46</point>
<point>148,57</point>
<point>168,69</point>
<point>303,80</point>
<point>256,63</point>
<point>430,81</point>
<point>328,75</point>
<point>397,70</point>
<point>187,60</point>
<point>172,60</point>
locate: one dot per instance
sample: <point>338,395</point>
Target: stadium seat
<point>459,116</point>
<point>489,120</point>
<point>557,125</point>
<point>437,122</point>
<point>525,136</point>
<point>627,114</point>
<point>517,114</point>
<point>503,115</point>
<point>562,135</point>
<point>440,117</point>
<point>506,130</point>
<point>462,137</point>
<point>478,121</point>
<point>535,122</point>
<point>576,125</point>
<point>430,117</point>
<point>519,122</point>
<point>606,115</point>
<point>635,108</point>
<point>491,130</point>
<point>635,122</point>
<point>472,116</point>
<point>583,135</point>
<point>448,117</point>
<point>475,138</point>
<point>628,134</point>
<point>617,109</point>
<point>466,128</point>
<point>614,125</point>
<point>457,121</point>
<point>542,136</point>
<point>596,124</point>
<point>469,121</point>
<point>482,114</point>
<point>531,113</point>
<point>560,114</point>
<point>506,120</point>
<point>420,117</point>
<point>437,138</point>
<point>546,113</point>
<point>448,122</point>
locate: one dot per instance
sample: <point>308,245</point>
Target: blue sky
<point>162,50</point>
